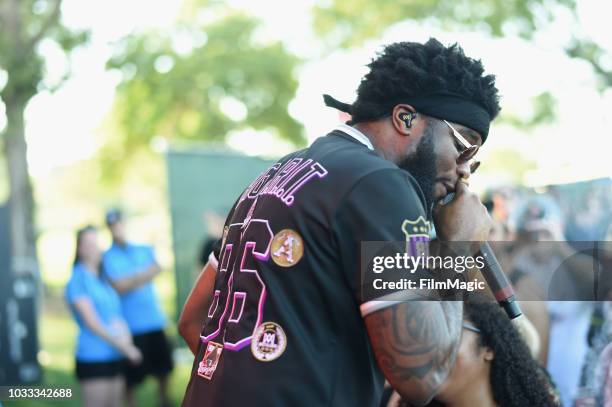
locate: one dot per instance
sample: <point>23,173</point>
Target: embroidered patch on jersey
<point>417,236</point>
<point>209,362</point>
<point>287,248</point>
<point>269,342</point>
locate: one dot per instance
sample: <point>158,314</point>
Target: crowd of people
<point>121,337</point>
<point>555,246</point>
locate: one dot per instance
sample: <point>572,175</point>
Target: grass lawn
<point>57,335</point>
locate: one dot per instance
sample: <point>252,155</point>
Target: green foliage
<point>175,84</point>
<point>595,55</point>
<point>543,111</point>
<point>23,25</point>
<point>509,162</point>
<point>350,22</point>
<point>347,23</point>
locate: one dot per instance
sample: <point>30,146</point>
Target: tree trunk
<point>21,202</point>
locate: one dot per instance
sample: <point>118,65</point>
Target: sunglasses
<point>467,151</point>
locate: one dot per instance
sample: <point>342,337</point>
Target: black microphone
<point>494,276</point>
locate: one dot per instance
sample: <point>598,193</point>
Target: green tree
<point>179,84</point>
<point>348,23</point>
<point>24,25</point>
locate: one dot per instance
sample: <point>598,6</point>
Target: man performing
<point>276,317</point>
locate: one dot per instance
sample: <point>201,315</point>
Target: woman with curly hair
<point>494,366</point>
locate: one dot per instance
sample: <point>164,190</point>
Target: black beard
<point>422,166</point>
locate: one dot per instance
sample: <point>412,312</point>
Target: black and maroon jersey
<point>285,324</point>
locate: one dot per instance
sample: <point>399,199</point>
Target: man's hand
<point>464,219</point>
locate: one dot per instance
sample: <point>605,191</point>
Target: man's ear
<point>402,118</point>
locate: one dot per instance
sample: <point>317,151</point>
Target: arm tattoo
<point>415,343</point>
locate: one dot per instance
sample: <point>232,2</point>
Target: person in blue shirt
<point>131,269</point>
<point>104,340</point>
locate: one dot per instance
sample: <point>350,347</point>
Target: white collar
<point>356,134</point>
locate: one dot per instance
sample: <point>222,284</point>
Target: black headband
<point>447,106</point>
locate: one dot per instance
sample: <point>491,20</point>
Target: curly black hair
<point>406,69</point>
<point>517,380</point>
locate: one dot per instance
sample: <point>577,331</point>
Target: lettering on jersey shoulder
<point>269,342</point>
<point>208,364</point>
<point>224,236</point>
<point>287,248</point>
<point>249,215</point>
<point>417,236</point>
<point>284,180</point>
